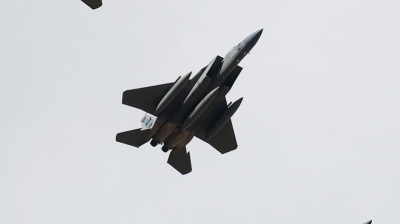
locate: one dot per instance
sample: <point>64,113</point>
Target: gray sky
<point>318,130</point>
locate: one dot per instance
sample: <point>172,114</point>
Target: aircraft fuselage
<point>205,92</point>
<point>190,107</point>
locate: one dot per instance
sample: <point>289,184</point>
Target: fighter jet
<point>94,4</point>
<point>178,111</point>
<point>369,222</point>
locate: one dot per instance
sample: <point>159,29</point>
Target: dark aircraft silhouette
<point>187,108</point>
<point>369,222</point>
<point>94,4</point>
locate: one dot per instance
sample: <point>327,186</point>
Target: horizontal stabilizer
<point>134,137</point>
<point>180,160</point>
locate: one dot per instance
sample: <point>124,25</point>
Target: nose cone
<point>251,40</point>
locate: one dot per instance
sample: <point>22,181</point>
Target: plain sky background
<point>318,130</point>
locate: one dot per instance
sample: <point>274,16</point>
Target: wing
<point>94,4</point>
<point>224,140</point>
<point>146,98</point>
<point>180,160</point>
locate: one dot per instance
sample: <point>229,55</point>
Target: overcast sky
<point>318,130</point>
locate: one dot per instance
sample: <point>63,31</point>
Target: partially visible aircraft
<point>187,108</point>
<point>94,4</point>
<point>369,222</point>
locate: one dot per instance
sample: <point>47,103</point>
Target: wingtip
<point>93,4</point>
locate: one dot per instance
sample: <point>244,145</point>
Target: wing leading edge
<point>146,98</point>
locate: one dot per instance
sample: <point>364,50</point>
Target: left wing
<point>224,140</point>
<point>146,98</point>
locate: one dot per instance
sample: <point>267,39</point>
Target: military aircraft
<point>369,222</point>
<point>190,107</point>
<point>94,4</point>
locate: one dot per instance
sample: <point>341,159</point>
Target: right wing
<point>146,98</point>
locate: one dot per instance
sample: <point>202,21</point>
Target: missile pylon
<point>172,93</point>
<point>223,118</point>
<point>200,108</point>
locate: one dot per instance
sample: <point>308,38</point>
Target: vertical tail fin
<point>180,160</point>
